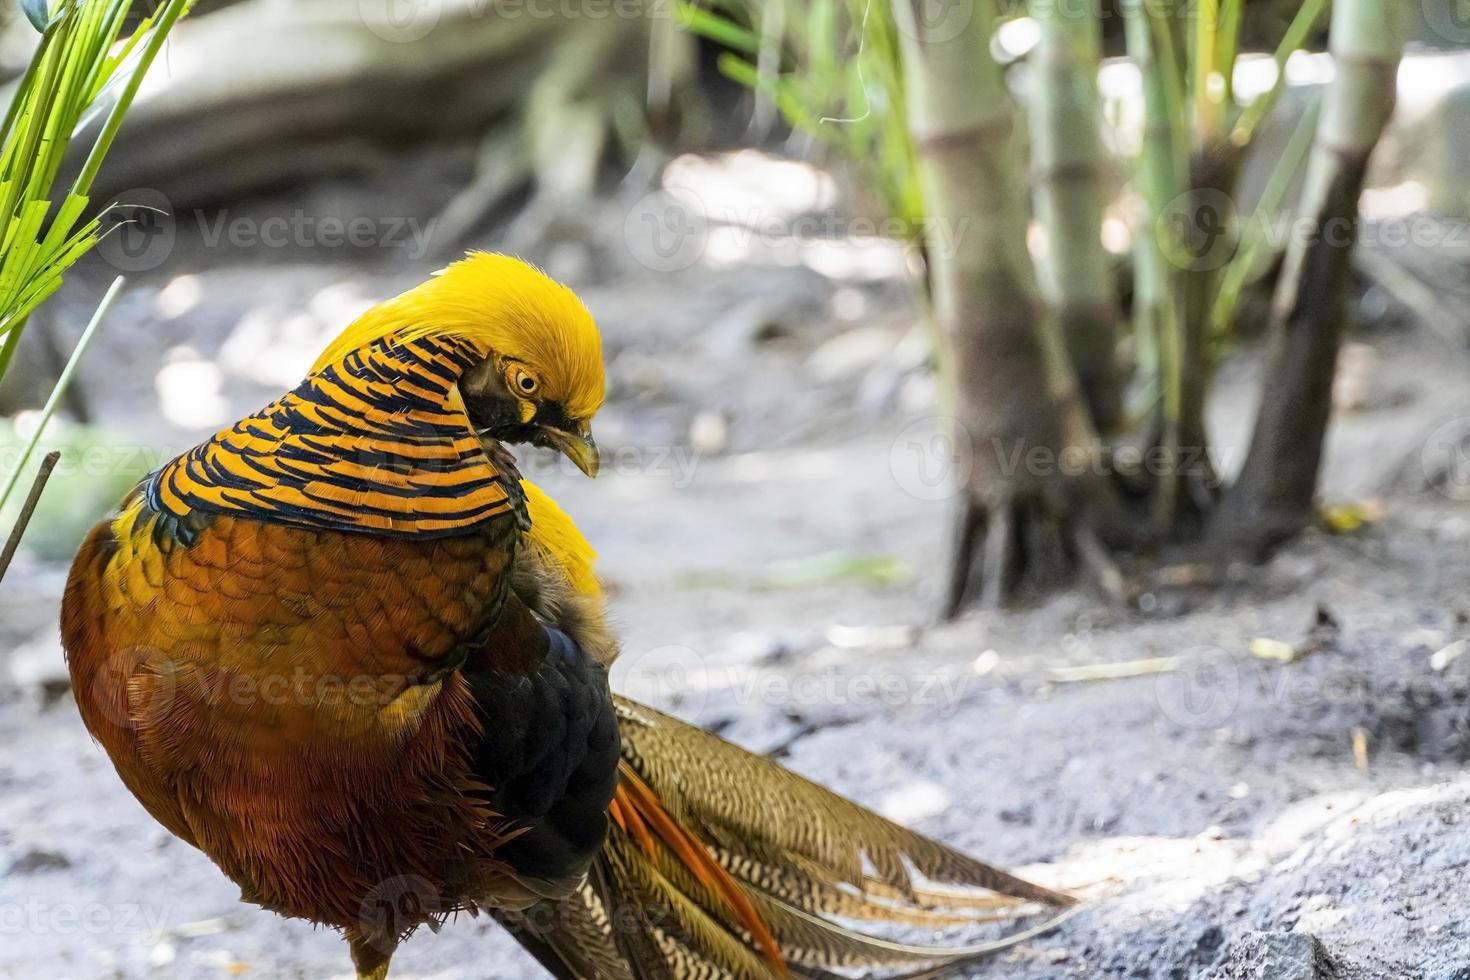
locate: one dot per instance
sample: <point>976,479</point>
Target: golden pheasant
<point>344,650</point>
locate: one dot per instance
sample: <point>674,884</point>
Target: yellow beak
<point>579,447</point>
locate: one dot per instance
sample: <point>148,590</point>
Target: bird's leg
<point>368,957</point>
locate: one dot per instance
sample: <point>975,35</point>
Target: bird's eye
<point>523,381</point>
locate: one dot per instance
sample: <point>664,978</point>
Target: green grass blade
<point>1242,264</point>
<point>721,30</point>
<point>62,383</point>
<point>1307,18</point>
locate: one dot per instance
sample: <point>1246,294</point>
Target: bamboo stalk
<point>1015,386</point>
<point>1068,170</point>
<point>962,120</point>
<point>1227,41</point>
<point>1188,172</point>
<point>1273,497</point>
<point>1207,101</point>
<point>1158,175</point>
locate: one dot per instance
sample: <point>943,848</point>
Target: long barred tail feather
<point>721,863</point>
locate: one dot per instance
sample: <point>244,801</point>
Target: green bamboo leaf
<point>1202,53</point>
<point>737,69</point>
<point>12,332</point>
<point>822,32</point>
<point>719,29</point>
<point>66,218</point>
<point>1228,42</point>
<point>36,13</point>
<point>166,18</point>
<point>81,55</point>
<point>21,248</point>
<point>845,91</point>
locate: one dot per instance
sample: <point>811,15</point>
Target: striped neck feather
<point>377,441</point>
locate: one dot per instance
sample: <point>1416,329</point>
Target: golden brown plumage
<point>282,699</point>
<point>343,650</point>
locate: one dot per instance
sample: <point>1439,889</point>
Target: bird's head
<point>535,373</point>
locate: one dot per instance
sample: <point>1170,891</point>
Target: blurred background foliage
<point>872,84</point>
<point>1127,170</point>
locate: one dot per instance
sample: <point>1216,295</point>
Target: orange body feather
<point>264,692</point>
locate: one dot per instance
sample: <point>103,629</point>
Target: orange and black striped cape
<point>373,443</point>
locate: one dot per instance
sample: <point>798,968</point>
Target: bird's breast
<point>285,698</point>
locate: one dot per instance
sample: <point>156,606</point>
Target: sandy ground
<point>772,533</point>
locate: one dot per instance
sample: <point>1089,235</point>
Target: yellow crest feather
<point>500,304</point>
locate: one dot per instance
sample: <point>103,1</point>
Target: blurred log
<point>259,96</point>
